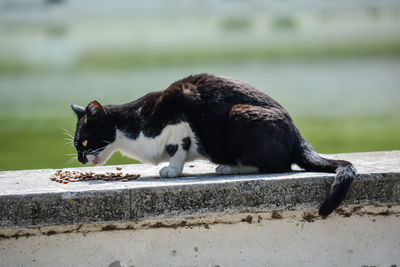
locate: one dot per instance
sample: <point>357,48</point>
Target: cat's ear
<point>79,111</point>
<point>95,110</point>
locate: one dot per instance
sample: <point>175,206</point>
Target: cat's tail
<point>306,157</point>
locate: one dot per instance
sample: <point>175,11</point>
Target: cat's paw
<point>169,172</point>
<point>224,169</point>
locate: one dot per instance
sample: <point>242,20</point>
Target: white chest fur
<point>152,150</point>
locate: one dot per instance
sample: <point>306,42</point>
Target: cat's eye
<point>84,143</point>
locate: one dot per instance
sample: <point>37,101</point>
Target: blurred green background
<point>335,66</point>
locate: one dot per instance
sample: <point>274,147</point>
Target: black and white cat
<point>224,120</point>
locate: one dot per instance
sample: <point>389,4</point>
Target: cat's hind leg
<point>236,169</point>
<point>177,160</point>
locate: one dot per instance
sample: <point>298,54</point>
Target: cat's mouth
<point>99,158</point>
<point>92,159</point>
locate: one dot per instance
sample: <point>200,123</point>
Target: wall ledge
<point>30,199</point>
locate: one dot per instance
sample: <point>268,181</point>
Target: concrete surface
<point>29,199</point>
<point>202,219</point>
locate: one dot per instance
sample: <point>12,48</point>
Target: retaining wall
<point>202,219</point>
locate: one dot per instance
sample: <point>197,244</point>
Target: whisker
<point>70,161</point>
<point>65,130</point>
<point>68,135</point>
<point>96,150</point>
<point>68,142</point>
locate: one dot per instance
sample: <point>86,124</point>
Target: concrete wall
<point>363,239</point>
<point>164,222</point>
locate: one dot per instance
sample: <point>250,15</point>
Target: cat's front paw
<point>169,172</point>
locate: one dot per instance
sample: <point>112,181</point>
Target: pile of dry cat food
<point>74,176</point>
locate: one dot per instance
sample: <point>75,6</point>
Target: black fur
<point>186,143</point>
<point>233,122</point>
<point>307,158</point>
<point>171,150</point>
<point>95,127</point>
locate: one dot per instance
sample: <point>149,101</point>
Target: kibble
<point>74,176</point>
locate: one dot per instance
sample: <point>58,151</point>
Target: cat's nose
<point>82,159</point>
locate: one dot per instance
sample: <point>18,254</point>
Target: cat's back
<point>206,98</point>
<point>218,90</point>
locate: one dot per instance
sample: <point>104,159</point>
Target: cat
<point>227,121</point>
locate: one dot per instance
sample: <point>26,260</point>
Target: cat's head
<point>94,135</point>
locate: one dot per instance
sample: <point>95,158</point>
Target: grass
<point>119,59</point>
<point>13,66</point>
<point>236,24</point>
<point>19,66</point>
<point>39,143</point>
<point>128,59</point>
<point>342,135</point>
<point>284,23</point>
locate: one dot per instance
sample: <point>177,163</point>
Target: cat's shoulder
<point>190,85</point>
<point>181,90</point>
<point>192,88</point>
<point>203,82</point>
